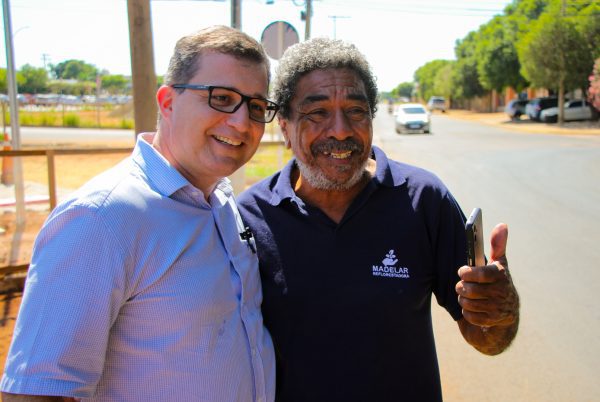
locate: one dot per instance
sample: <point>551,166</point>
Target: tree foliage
<point>554,52</point>
<point>425,76</point>
<point>35,79</point>
<point>465,77</point>
<point>498,63</point>
<point>115,84</point>
<point>75,70</point>
<point>403,89</point>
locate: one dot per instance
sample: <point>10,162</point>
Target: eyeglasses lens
<point>228,101</point>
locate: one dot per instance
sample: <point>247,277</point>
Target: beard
<point>319,180</point>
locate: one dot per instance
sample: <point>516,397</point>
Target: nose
<point>340,127</point>
<point>240,119</point>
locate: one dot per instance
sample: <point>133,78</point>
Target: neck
<point>334,203</point>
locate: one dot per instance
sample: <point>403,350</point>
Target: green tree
<point>425,76</point>
<point>115,84</point>
<point>498,63</point>
<point>554,55</point>
<point>404,89</point>
<point>442,83</point>
<point>588,23</point>
<point>74,70</point>
<point>35,79</point>
<point>465,78</point>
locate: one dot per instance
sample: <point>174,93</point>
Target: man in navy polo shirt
<point>352,245</point>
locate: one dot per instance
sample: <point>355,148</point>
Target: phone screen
<point>474,232</point>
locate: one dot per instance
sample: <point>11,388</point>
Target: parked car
<point>535,106</point>
<point>516,108</point>
<point>574,110</point>
<point>436,103</point>
<point>412,118</point>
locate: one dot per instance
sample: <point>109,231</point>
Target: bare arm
<point>489,300</point>
<point>6,397</point>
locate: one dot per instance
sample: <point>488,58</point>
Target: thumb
<point>498,239</point>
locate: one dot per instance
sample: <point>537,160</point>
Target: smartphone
<point>474,231</point>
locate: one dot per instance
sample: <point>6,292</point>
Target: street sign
<point>277,37</point>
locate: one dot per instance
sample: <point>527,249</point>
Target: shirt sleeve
<point>451,254</point>
<point>74,290</point>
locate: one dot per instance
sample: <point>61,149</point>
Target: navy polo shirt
<point>349,305</point>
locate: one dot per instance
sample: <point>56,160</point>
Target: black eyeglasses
<point>228,100</point>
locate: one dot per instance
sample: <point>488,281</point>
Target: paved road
<point>546,188</point>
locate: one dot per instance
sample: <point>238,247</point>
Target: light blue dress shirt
<point>140,290</point>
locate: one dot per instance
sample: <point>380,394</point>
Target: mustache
<point>332,145</point>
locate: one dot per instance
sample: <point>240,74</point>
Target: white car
<point>574,110</point>
<point>412,118</point>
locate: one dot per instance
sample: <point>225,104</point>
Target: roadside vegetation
<point>539,44</point>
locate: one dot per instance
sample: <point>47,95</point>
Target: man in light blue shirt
<point>144,284</point>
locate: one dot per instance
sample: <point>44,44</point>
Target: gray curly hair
<point>319,54</point>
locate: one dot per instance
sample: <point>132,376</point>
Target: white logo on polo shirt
<point>388,269</point>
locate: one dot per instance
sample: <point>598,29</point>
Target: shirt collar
<point>166,179</point>
<point>385,175</point>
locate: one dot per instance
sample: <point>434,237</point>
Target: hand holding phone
<point>474,232</point>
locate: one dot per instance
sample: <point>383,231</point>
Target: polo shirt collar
<point>385,175</point>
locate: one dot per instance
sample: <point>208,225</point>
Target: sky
<point>396,36</point>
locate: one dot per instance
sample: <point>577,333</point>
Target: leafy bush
<point>72,120</point>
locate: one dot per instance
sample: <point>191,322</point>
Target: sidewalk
<point>526,125</point>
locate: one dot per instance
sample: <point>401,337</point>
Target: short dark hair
<point>219,38</point>
<point>319,54</point>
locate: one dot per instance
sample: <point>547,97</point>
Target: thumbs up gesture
<point>489,299</point>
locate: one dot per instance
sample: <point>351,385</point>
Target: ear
<point>164,97</point>
<point>283,124</point>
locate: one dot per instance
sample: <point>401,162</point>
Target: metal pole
<point>236,14</point>
<point>14,114</point>
<point>308,17</point>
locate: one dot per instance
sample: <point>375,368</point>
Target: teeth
<point>228,140</point>
<point>342,155</point>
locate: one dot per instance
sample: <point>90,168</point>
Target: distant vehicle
<point>516,108</point>
<point>436,103</point>
<point>535,106</point>
<point>574,110</point>
<point>412,118</point>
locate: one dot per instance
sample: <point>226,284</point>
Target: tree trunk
<point>561,101</point>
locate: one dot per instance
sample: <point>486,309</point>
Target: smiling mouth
<point>338,155</point>
<point>228,141</point>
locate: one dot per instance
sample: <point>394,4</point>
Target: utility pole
<point>236,14</point>
<point>142,65</point>
<point>14,116</point>
<point>308,17</point>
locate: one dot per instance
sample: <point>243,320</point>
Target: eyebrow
<point>318,98</point>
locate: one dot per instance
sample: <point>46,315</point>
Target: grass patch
<point>267,160</point>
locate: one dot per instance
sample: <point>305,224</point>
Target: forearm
<point>6,397</point>
<point>489,340</point>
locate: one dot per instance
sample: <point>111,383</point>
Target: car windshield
<point>413,110</point>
